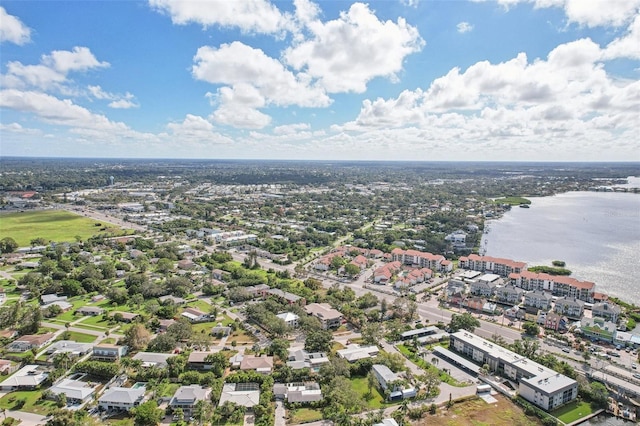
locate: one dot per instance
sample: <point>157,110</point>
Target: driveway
<point>27,419</point>
<point>280,414</point>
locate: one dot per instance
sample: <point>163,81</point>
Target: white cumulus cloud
<point>237,63</point>
<point>346,53</point>
<point>259,16</point>
<point>12,29</point>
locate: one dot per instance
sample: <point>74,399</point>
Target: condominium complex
<point>537,384</point>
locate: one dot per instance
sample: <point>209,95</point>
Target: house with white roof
<point>27,378</point>
<point>244,394</point>
<point>76,391</point>
<point>300,358</point>
<point>195,315</point>
<point>298,392</point>
<point>353,353</point>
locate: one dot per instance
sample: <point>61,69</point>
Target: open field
<point>32,402</point>
<point>52,225</point>
<point>476,412</point>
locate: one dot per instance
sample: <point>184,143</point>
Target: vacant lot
<point>52,225</point>
<point>479,413</point>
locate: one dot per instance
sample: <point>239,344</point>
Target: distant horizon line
<point>24,157</point>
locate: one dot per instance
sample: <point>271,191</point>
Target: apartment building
<point>496,265</point>
<point>537,384</point>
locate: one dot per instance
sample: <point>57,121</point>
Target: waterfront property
<point>537,384</point>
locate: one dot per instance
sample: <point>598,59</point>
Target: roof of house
<point>74,389</point>
<point>118,395</point>
<point>190,394</point>
<point>27,376</point>
<point>198,356</point>
<point>69,346</point>
<point>355,352</point>
<point>35,339</point>
<point>288,316</point>
<point>323,310</point>
<point>152,358</point>
<point>250,362</point>
<point>245,394</point>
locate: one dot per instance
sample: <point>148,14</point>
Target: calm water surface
<point>597,234</point>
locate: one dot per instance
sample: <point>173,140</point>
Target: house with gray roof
<point>186,397</point>
<point>121,399</point>
<point>90,311</point>
<point>70,347</point>
<point>153,359</point>
<point>538,299</point>
<point>570,307</point>
<point>509,295</point>
<point>607,310</point>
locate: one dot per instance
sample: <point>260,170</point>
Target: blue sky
<point>512,80</point>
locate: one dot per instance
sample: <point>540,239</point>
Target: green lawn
<point>52,225</point>
<point>32,404</point>
<point>304,415</point>
<point>77,337</point>
<point>571,412</point>
<point>375,400</point>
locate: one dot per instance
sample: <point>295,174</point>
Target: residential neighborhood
<point>258,319</point>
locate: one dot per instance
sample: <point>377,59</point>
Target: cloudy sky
<point>514,80</point>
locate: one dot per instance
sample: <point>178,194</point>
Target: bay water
<point>597,234</point>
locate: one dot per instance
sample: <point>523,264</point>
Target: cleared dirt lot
<point>477,413</point>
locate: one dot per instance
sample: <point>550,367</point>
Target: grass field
<point>304,415</point>
<point>573,411</point>
<point>32,404</point>
<point>78,337</point>
<point>52,225</point>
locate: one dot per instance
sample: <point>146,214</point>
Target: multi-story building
<point>509,295</point>
<point>538,299</point>
<point>123,399</point>
<point>502,267</point>
<point>537,384</point>
<point>558,285</point>
<point>570,307</point>
<point>329,317</point>
<point>108,352</point>
<point>606,310</point>
<point>186,397</point>
<point>419,259</point>
<point>485,285</point>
